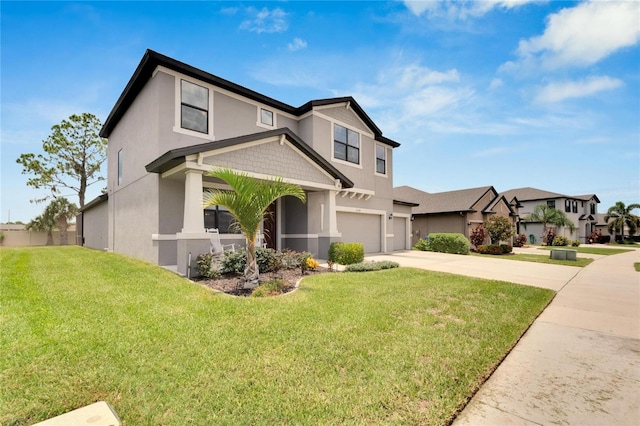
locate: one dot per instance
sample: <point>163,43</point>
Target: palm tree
<point>62,210</point>
<point>622,217</point>
<point>43,223</point>
<point>548,216</point>
<point>248,202</point>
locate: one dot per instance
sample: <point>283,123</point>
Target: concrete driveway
<point>579,363</point>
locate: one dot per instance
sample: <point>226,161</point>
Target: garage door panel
<point>361,228</point>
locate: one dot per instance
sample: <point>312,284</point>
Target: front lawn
<point>401,346</point>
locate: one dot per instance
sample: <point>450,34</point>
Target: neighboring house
<point>173,123</point>
<point>453,211</point>
<point>582,210</point>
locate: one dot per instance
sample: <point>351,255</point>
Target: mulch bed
<point>231,284</point>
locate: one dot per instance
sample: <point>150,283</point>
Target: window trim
<point>177,127</point>
<point>259,121</point>
<point>567,205</point>
<point>550,202</point>
<point>193,107</point>
<point>333,145</point>
<point>385,159</point>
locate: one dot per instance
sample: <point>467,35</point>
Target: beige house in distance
<point>453,211</point>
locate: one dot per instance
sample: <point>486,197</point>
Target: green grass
<point>400,346</point>
<point>637,266</point>
<point>591,250</point>
<point>580,262</point>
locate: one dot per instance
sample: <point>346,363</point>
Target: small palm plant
<point>63,211</point>
<point>247,202</point>
<point>549,216</point>
<point>620,215</point>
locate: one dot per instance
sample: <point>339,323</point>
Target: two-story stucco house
<point>173,123</point>
<point>582,210</point>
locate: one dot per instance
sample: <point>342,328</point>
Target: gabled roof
<point>443,202</point>
<point>175,157</point>
<point>534,194</point>
<point>151,60</point>
<point>493,203</point>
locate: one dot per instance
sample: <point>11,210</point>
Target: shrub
<point>478,236</point>
<point>499,228</point>
<point>208,265</point>
<point>494,249</point>
<point>422,245</point>
<point>506,248</point>
<point>575,243</point>
<point>269,288</point>
<point>483,249</point>
<point>371,266</point>
<point>560,240</point>
<point>310,264</point>
<point>268,260</point>
<point>520,240</point>
<point>233,262</point>
<point>346,253</point>
<point>549,236</point>
<point>449,243</point>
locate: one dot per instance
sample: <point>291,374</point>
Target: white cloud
<point>297,44</point>
<point>265,21</point>
<point>496,83</point>
<point>557,92</point>
<point>581,36</point>
<point>461,9</point>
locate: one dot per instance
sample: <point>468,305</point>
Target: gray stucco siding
<point>273,159</point>
<point>95,226</point>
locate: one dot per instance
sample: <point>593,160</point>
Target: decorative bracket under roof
<point>360,194</point>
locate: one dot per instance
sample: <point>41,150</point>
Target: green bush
<point>560,240</point>
<point>270,288</point>
<point>449,243</point>
<point>346,253</point>
<point>371,266</point>
<point>483,249</point>
<point>506,248</point>
<point>575,243</point>
<point>422,245</point>
<point>208,266</point>
<point>268,260</point>
<point>494,249</point>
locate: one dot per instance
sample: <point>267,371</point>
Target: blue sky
<point>504,93</point>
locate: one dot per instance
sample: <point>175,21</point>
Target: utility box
<point>562,254</point>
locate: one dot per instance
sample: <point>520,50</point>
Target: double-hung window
<point>574,207</point>
<point>551,204</point>
<point>346,144</point>
<point>266,117</point>
<point>194,107</point>
<point>381,160</point>
<point>567,206</point>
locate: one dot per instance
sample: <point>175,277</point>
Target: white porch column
<point>193,221</point>
<point>329,217</point>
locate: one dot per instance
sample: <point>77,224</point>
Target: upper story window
<point>381,159</point>
<point>574,207</point>
<point>346,144</point>
<point>593,208</point>
<point>266,117</point>
<point>120,167</point>
<point>567,206</point>
<point>551,204</point>
<point>194,105</point>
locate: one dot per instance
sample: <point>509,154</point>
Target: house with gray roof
<point>582,210</point>
<point>173,123</point>
<point>453,211</point>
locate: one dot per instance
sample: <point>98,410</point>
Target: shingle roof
<point>151,60</point>
<point>441,202</point>
<point>534,194</point>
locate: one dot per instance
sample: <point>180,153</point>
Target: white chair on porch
<point>260,242</point>
<point>216,246</point>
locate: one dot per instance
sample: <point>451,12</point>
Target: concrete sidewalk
<point>579,363</point>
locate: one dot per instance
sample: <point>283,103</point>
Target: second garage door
<point>361,228</point>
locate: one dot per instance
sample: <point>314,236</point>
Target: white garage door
<point>361,228</point>
<point>399,233</point>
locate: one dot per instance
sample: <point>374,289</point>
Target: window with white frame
<point>120,167</point>
<point>266,117</point>
<point>346,144</point>
<point>381,160</point>
<point>194,107</point>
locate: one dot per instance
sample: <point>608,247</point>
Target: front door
<point>270,230</point>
